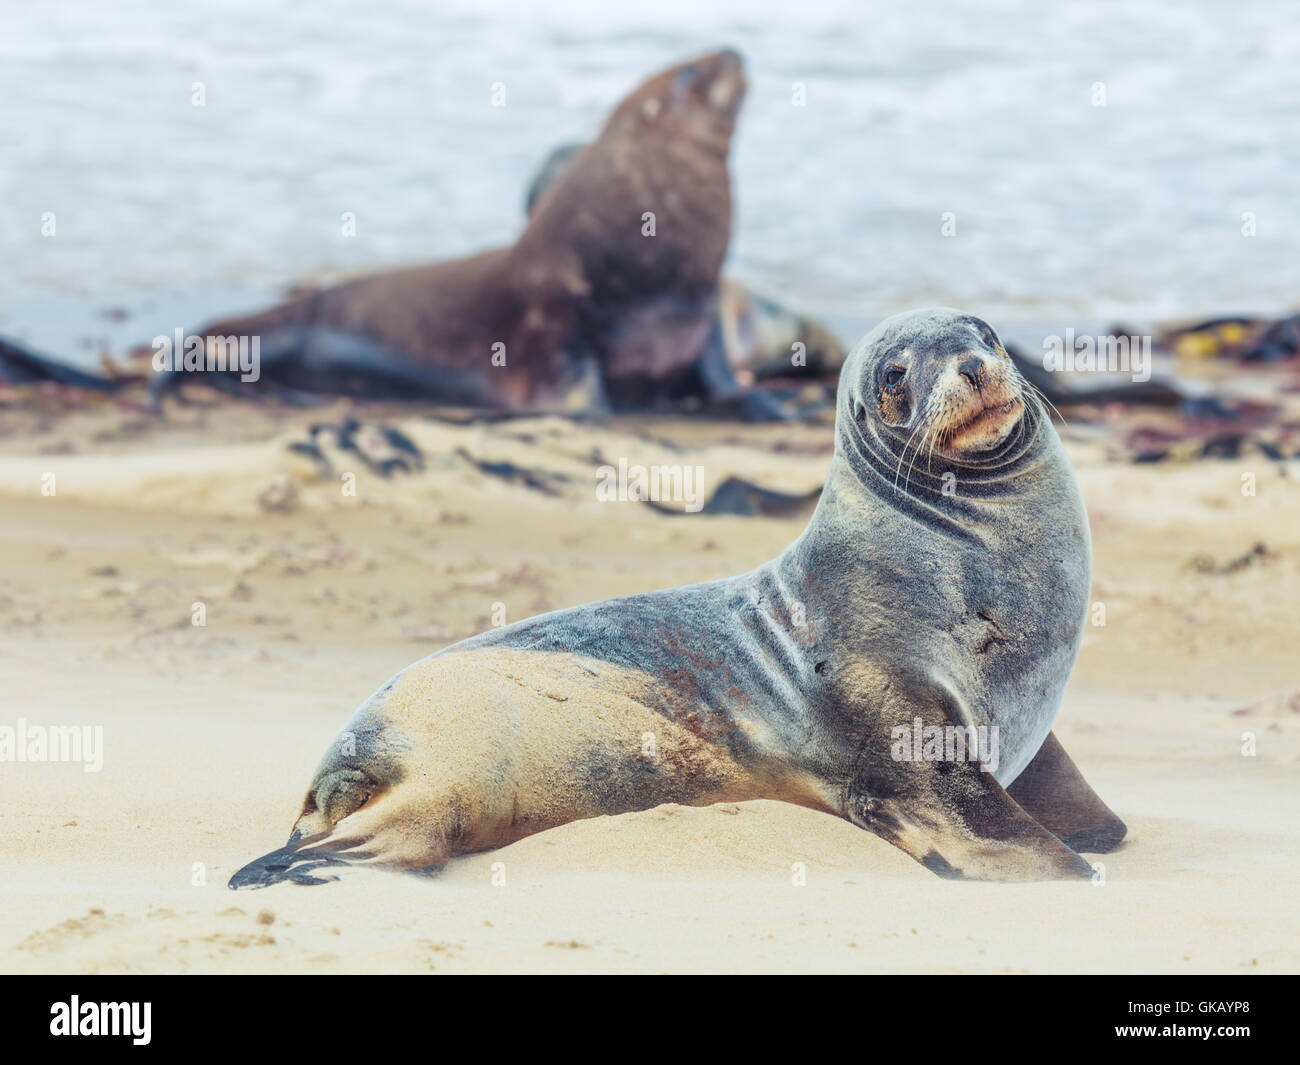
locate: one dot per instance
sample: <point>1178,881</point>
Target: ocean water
<point>1133,210</point>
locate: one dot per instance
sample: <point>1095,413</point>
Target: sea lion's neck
<point>878,494</point>
<point>882,469</point>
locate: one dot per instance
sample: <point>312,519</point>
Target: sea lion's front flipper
<point>918,783</point>
<point>962,825</point>
<point>1052,790</point>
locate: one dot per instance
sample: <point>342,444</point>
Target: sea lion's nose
<point>971,370</point>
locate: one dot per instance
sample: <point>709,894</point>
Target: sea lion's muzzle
<point>728,85</point>
<point>716,81</point>
<point>979,403</point>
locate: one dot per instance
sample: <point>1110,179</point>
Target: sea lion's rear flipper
<point>1052,790</point>
<point>292,863</point>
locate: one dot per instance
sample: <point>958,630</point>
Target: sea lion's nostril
<point>971,370</point>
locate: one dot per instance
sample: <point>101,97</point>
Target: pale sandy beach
<point>313,599</point>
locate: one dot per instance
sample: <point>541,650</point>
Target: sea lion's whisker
<point>926,426</point>
<point>920,424</point>
<point>929,460</point>
<point>1041,396</point>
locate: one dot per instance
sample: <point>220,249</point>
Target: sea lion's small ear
<point>651,107</point>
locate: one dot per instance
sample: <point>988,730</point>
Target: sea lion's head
<point>697,99</point>
<point>658,169</point>
<point>935,385</point>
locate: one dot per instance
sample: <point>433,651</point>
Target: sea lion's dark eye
<point>893,377</point>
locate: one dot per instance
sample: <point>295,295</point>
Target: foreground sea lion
<point>606,299</point>
<point>940,585</point>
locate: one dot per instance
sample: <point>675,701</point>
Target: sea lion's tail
<point>20,365</point>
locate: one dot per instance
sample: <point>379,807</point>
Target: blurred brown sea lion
<point>759,337</point>
<point>608,298</point>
